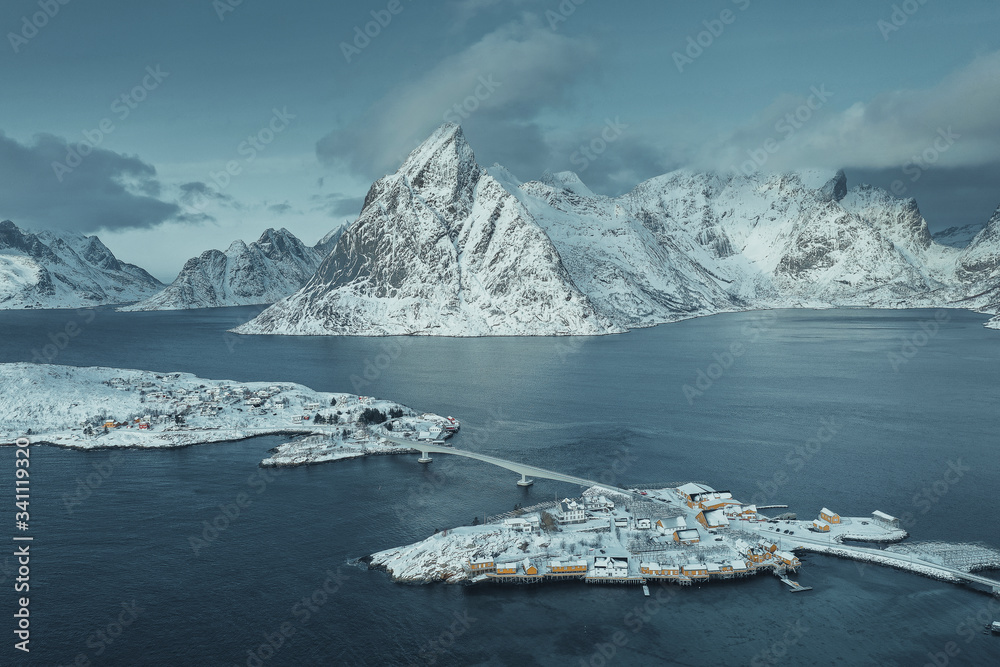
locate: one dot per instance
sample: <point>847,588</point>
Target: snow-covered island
<point>95,407</point>
<point>685,534</point>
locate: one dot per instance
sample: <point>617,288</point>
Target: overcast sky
<point>306,109</point>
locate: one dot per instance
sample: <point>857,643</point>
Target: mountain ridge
<point>261,272</point>
<point>52,269</point>
<point>679,245</point>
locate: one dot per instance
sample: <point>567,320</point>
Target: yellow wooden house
<point>829,516</point>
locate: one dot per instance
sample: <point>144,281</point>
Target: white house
<point>571,511</point>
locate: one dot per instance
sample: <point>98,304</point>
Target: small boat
<point>645,590</point>
<point>994,627</point>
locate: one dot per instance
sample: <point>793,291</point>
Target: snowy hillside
<point>268,269</point>
<point>446,247</point>
<point>96,407</point>
<point>979,270</point>
<point>65,270</point>
<point>958,237</point>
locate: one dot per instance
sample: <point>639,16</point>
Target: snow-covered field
<point>95,407</point>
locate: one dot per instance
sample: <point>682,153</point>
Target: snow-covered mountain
<point>441,247</point>
<point>268,269</point>
<point>65,270</point>
<point>446,247</point>
<point>979,270</point>
<point>958,237</point>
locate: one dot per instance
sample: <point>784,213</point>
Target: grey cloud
<point>280,209</point>
<point>337,205</point>
<point>104,189</point>
<point>947,196</point>
<point>515,72</point>
<point>888,131</point>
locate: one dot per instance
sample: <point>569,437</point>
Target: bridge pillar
<point>524,481</point>
<point>425,457</point>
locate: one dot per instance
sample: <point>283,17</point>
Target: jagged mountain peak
<point>567,180</point>
<point>447,145</point>
<point>65,269</point>
<point>263,271</point>
<point>989,235</point>
<point>237,246</point>
<point>445,247</point>
<point>836,188</point>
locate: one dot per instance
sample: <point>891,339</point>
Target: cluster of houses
<point>751,557</point>
<point>205,401</point>
<point>828,519</point>
<point>825,520</point>
<point>688,515</point>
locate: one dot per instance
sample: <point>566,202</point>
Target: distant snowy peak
<point>958,237</point>
<point>899,220</point>
<point>264,271</point>
<point>441,247</point>
<point>836,188</point>
<point>326,244</point>
<point>65,270</point>
<point>567,180</point>
<point>445,247</point>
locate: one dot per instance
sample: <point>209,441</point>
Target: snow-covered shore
<point>97,408</point>
<point>684,535</point>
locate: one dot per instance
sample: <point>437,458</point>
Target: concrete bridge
<point>426,449</point>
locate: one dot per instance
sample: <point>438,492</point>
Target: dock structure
<point>795,586</point>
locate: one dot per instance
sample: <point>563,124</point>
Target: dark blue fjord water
<point>908,395</point>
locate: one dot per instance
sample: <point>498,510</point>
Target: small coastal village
<point>97,408</point>
<point>685,534</point>
<point>679,533</point>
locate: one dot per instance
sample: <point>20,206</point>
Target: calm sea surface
<point>909,393</point>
